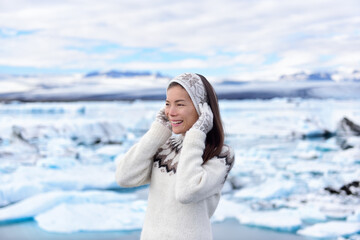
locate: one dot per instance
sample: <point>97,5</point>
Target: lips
<point>176,122</point>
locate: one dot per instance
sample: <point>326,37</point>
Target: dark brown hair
<point>215,138</point>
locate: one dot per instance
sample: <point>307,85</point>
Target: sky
<point>232,39</point>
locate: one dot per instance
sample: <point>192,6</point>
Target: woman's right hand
<point>205,121</point>
<point>161,118</point>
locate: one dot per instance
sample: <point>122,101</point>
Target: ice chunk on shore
<point>311,214</point>
<point>66,217</point>
<point>37,204</point>
<point>283,220</point>
<point>314,167</point>
<point>228,209</point>
<point>348,157</point>
<point>57,162</point>
<point>84,131</point>
<point>331,229</point>
<point>272,188</point>
<point>355,217</point>
<point>28,180</point>
<point>109,152</point>
<point>14,192</point>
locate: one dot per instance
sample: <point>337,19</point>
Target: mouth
<point>176,123</point>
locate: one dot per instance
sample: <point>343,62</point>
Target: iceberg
<point>17,191</point>
<point>331,229</point>
<point>272,188</point>
<point>283,220</point>
<point>347,157</point>
<point>348,134</point>
<point>311,214</point>
<point>313,167</point>
<point>70,217</point>
<point>109,152</point>
<point>27,181</point>
<point>32,206</point>
<point>81,131</point>
<point>57,162</point>
<point>228,209</point>
<point>355,217</point>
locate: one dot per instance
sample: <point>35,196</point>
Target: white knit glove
<point>205,121</point>
<point>161,118</point>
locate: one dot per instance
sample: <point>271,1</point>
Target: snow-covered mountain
<point>121,74</point>
<point>130,85</point>
<point>323,76</point>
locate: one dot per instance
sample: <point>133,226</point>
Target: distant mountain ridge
<point>120,74</point>
<point>322,76</point>
<point>300,76</point>
<point>133,85</point>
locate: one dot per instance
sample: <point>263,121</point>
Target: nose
<point>172,111</point>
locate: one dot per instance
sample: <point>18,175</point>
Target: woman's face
<point>180,110</point>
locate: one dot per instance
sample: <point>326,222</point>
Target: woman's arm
<point>196,181</point>
<point>134,169</point>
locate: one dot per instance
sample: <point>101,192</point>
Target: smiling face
<point>180,109</point>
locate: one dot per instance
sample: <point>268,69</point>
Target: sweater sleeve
<point>134,169</point>
<point>196,181</point>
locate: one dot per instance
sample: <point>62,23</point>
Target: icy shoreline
<point>229,230</point>
<point>57,162</point>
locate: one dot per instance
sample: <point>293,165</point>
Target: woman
<point>186,171</point>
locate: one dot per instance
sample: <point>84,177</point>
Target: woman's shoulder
<point>227,154</point>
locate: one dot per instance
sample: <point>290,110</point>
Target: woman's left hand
<point>205,121</point>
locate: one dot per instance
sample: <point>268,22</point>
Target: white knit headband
<point>194,87</point>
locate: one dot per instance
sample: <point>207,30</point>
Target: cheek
<point>192,118</point>
<point>167,111</point>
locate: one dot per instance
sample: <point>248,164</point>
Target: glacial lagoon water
<point>57,162</point>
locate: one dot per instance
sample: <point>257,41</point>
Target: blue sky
<point>237,39</point>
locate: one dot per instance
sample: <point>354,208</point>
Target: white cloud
<point>298,32</point>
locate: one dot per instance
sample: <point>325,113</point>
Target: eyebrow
<point>176,101</point>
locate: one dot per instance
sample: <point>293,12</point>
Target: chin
<point>177,131</point>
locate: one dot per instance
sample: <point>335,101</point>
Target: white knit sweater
<point>183,193</point>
